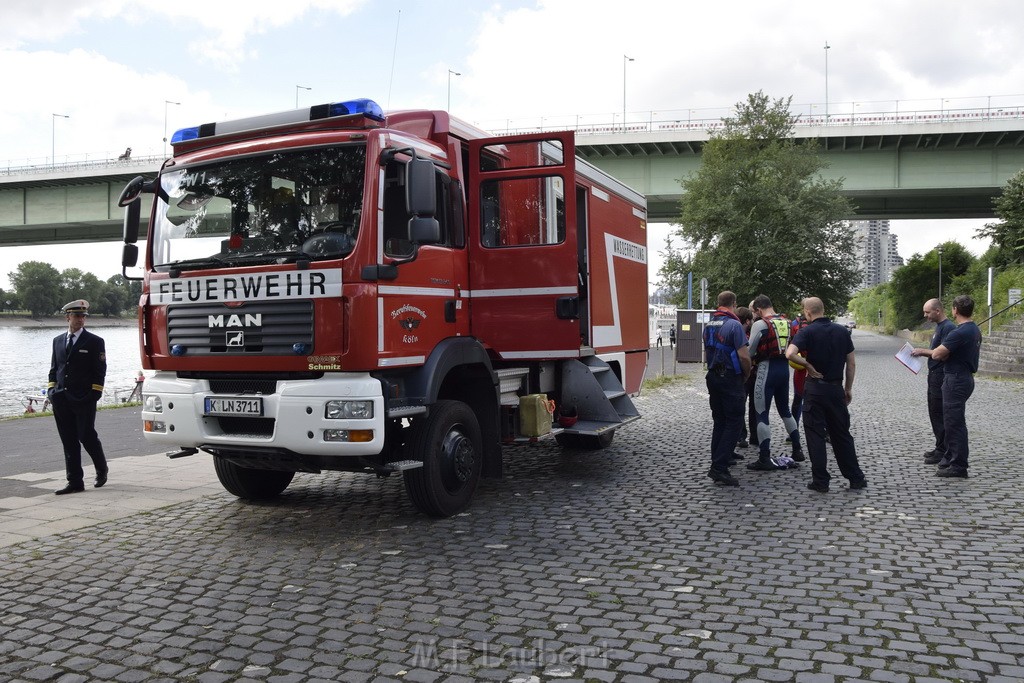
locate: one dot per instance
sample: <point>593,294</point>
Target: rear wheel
<point>586,442</point>
<point>447,441</point>
<point>248,483</point>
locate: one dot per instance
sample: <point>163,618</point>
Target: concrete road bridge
<point>937,164</point>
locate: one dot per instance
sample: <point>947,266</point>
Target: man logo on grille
<point>235,338</point>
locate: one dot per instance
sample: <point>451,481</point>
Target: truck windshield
<point>271,208</point>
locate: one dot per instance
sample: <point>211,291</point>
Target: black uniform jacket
<point>81,373</point>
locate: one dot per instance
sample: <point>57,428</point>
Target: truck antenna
<point>394,51</point>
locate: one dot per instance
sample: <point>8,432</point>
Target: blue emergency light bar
<point>366,107</point>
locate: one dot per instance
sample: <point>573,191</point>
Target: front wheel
<point>447,441</point>
<point>249,483</point>
<point>586,442</point>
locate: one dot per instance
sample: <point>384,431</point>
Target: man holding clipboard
<point>933,313</point>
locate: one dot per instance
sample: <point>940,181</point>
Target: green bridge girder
<point>904,170</point>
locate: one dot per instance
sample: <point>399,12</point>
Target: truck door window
<point>522,211</point>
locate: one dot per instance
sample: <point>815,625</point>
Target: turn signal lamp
<point>363,106</point>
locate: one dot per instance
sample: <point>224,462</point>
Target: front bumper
<point>293,417</point>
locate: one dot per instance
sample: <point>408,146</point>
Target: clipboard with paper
<point>913,363</point>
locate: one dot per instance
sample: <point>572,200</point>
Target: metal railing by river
<point>25,364</point>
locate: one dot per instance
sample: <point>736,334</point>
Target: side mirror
<point>420,187</point>
<point>132,213</point>
<point>131,191</point>
<point>130,256</point>
<point>424,230</point>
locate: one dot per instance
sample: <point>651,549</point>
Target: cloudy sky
<point>111,66</point>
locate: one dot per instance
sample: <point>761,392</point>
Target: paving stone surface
<point>626,564</point>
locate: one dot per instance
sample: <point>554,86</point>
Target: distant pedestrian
<point>933,313</point>
<point>78,368</point>
<point>959,352</point>
<point>658,343</point>
<point>728,361</point>
<point>827,394</point>
<point>672,337</point>
<point>799,373</point>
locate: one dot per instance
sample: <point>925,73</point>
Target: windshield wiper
<point>194,263</point>
<point>283,256</point>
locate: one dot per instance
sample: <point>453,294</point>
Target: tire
<point>585,442</point>
<point>448,443</point>
<point>249,483</point>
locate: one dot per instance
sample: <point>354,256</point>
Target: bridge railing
<point>848,114</point>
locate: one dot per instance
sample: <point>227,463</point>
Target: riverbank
<point>58,321</point>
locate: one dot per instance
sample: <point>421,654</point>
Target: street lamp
<point>625,60</point>
<point>450,74</point>
<point>166,102</point>
<point>827,48</point>
<point>940,273</point>
<point>53,136</point>
<point>297,89</point>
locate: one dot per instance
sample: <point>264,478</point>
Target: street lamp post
<point>297,89</point>
<point>940,273</point>
<point>827,48</point>
<point>625,60</point>
<point>450,74</point>
<point>53,137</point>
<point>166,102</point>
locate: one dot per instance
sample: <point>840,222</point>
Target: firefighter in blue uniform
<point>827,393</point>
<point>728,360</point>
<point>78,368</point>
<point>933,313</point>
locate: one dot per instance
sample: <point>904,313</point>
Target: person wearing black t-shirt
<point>933,313</point>
<point>959,353</point>
<point>828,390</point>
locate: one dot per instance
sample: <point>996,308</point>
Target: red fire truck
<point>334,288</point>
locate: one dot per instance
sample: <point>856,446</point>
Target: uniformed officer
<point>78,368</point>
<point>728,360</point>
<point>828,349</point>
<point>933,313</point>
<point>959,353</point>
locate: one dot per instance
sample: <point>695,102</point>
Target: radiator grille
<point>268,328</point>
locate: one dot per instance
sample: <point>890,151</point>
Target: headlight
<point>348,410</point>
<point>153,404</point>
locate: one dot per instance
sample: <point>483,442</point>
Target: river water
<point>25,364</point>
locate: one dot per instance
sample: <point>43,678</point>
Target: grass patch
<point>664,380</point>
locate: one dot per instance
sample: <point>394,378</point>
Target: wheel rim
<point>458,459</point>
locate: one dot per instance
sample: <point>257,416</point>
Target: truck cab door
<point>523,274</point>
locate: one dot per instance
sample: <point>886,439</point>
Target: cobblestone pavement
<point>627,564</point>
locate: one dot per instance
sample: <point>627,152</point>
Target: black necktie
<point>67,347</point>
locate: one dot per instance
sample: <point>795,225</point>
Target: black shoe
<point>742,443</point>
<point>70,488</point>
<point>724,478</point>
<point>799,456</point>
<point>951,471</point>
<point>101,479</point>
<point>859,484</point>
<point>933,458</point>
<point>820,488</point>
<point>762,466</point>
<point>943,464</point>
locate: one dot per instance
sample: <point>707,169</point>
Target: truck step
<point>403,465</point>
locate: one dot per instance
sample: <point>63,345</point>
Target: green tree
<point>918,280</point>
<point>1008,234</point>
<point>759,217</point>
<point>38,287</point>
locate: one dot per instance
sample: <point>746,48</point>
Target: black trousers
<point>825,411</point>
<point>76,425</point>
<point>957,387</point>
<point>727,397</point>
<point>935,410</point>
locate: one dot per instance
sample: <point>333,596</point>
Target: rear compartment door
<point>524,278</point>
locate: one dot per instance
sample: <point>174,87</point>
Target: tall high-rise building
<point>877,252</point>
